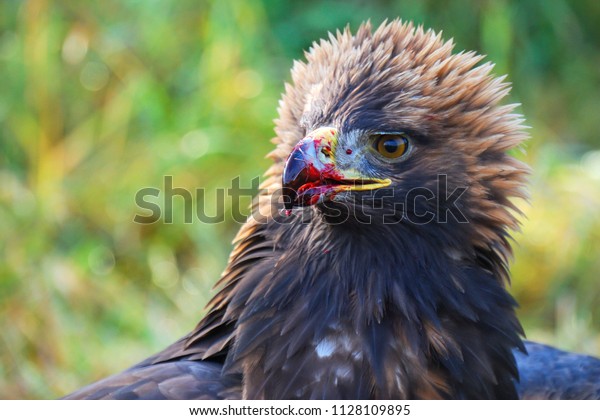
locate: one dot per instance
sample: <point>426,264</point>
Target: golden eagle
<point>375,261</point>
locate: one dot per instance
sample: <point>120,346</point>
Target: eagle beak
<point>310,174</point>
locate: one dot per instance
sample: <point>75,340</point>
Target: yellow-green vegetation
<point>101,99</point>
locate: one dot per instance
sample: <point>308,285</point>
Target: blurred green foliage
<point>101,99</point>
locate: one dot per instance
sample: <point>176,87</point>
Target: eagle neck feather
<point>370,312</point>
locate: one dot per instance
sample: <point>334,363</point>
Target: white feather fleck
<point>325,348</point>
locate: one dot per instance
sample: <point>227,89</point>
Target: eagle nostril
<point>326,150</point>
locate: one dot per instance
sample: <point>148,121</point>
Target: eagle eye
<point>391,146</point>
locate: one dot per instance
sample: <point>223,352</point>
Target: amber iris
<point>391,145</point>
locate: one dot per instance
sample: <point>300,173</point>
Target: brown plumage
<point>366,289</point>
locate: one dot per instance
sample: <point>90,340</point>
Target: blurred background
<point>101,99</point>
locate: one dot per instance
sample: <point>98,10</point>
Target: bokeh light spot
<point>94,76</point>
<point>75,47</point>
<point>194,144</point>
<point>248,84</point>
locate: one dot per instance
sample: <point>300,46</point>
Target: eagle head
<point>390,127</point>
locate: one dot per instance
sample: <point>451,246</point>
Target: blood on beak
<point>310,174</point>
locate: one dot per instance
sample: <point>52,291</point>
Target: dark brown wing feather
<point>172,380</point>
<point>546,373</point>
<point>549,373</point>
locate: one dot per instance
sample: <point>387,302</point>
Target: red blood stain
<point>318,182</point>
<point>348,151</point>
<point>314,199</point>
<point>287,212</point>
